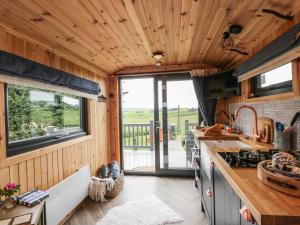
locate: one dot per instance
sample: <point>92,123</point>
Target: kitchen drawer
<point>207,200</point>
<point>198,184</point>
<point>226,201</point>
<point>206,164</point>
<point>244,222</point>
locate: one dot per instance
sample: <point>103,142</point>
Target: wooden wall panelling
<point>113,99</point>
<point>47,166</point>
<point>37,173</point>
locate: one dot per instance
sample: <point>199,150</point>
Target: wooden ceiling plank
<point>176,28</point>
<point>103,24</point>
<point>21,25</point>
<point>193,18</point>
<point>163,68</point>
<point>208,11</point>
<point>121,10</point>
<point>61,28</point>
<point>110,40</point>
<point>95,11</point>
<point>78,22</point>
<point>60,33</point>
<point>241,14</point>
<point>119,14</point>
<point>25,16</point>
<point>105,38</point>
<point>139,29</point>
<point>168,15</point>
<point>139,9</point>
<point>94,29</point>
<point>157,13</point>
<point>150,16</point>
<point>64,53</point>
<point>184,24</point>
<point>212,31</point>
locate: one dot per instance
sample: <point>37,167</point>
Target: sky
<point>139,93</point>
<point>275,76</point>
<point>37,95</point>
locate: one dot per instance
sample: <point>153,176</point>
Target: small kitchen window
<point>37,118</point>
<point>275,81</point>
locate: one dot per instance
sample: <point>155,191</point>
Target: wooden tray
<point>278,182</point>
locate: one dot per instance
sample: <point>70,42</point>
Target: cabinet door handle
<point>209,193</point>
<point>246,214</point>
<point>212,164</point>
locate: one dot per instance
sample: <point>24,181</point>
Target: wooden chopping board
<point>265,129</point>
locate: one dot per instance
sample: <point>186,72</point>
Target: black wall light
<point>227,42</point>
<point>101,98</point>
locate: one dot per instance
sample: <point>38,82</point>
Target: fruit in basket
<point>283,161</point>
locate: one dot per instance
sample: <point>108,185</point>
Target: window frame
<point>20,147</point>
<point>280,88</point>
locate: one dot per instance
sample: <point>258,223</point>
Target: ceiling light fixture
<point>158,56</point>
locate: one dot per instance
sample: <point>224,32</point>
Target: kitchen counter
<point>268,206</point>
<point>232,136</point>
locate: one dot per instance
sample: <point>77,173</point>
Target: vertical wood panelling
<point>114,118</point>
<point>30,174</point>
<point>23,179</point>
<point>46,169</point>
<point>37,173</point>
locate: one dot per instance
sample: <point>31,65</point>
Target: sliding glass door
<point>176,115</point>
<point>157,117</point>
<point>137,124</point>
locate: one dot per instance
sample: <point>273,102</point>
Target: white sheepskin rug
<point>149,210</point>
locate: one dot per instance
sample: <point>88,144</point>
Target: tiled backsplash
<point>281,111</point>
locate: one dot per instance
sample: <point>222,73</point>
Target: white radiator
<point>66,195</point>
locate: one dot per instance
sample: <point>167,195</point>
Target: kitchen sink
<point>226,144</point>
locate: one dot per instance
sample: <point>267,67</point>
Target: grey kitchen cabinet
<point>219,201</point>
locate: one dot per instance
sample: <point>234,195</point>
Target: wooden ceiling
<point>114,35</point>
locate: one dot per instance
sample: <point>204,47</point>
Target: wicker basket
<point>119,182</point>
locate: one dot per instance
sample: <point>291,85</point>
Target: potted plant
<point>8,191</point>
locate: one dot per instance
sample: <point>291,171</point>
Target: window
<point>36,118</point>
<point>276,81</point>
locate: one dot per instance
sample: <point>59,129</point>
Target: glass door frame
<point>170,171</point>
<point>130,172</point>
<point>156,78</point>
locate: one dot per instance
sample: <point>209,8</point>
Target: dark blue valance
<point>24,68</point>
<point>284,43</point>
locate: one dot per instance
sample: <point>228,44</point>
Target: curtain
<point>206,106</point>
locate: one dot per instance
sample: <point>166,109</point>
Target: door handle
<point>157,124</point>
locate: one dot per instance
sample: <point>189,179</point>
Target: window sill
<point>7,161</point>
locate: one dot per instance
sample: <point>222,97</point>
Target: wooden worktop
<point>232,136</point>
<point>268,206</point>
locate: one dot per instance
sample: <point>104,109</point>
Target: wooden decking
<point>179,193</point>
<point>140,159</point>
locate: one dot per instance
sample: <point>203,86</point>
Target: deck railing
<point>141,135</point>
<point>138,135</point>
<point>189,126</point>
